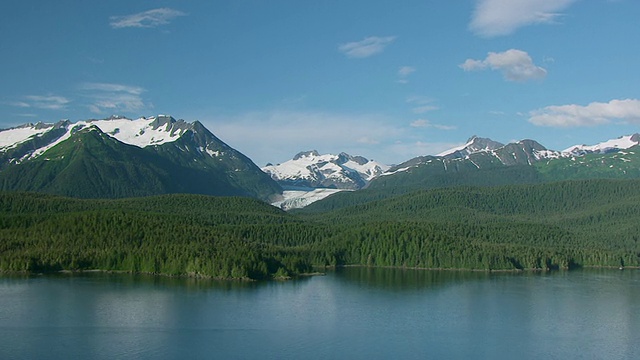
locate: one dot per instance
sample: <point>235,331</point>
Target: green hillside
<point>614,165</point>
<point>539,226</point>
<point>172,234</point>
<point>564,224</point>
<point>426,177</point>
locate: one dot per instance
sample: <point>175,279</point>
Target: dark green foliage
<point>172,234</point>
<point>556,225</point>
<point>537,226</point>
<point>428,177</point>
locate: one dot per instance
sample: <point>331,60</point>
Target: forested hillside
<point>538,226</point>
<point>171,234</point>
<point>556,225</point>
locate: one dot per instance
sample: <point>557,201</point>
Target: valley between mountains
<point>166,196</point>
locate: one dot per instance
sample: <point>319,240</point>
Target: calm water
<point>348,314</point>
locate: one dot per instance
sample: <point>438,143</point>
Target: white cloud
<point>596,113</point>
<point>47,102</point>
<point>21,104</point>
<point>424,123</point>
<point>403,74</point>
<point>424,108</point>
<point>421,104</point>
<point>368,141</point>
<point>515,65</point>
<point>406,71</point>
<point>502,17</point>
<point>369,46</point>
<point>109,87</point>
<point>420,123</point>
<point>113,97</point>
<point>146,19</point>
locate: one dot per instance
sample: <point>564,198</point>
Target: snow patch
<point>621,143</point>
<point>138,132</point>
<point>12,137</point>
<point>404,169</point>
<point>296,199</point>
<point>457,148</point>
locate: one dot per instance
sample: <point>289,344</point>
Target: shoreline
<point>483,270</point>
<point>304,275</point>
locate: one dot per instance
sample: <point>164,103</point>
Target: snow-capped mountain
<point>621,143</point>
<point>481,153</point>
<point>473,145</point>
<point>524,151</point>
<point>141,132</point>
<point>118,157</point>
<point>310,169</point>
<point>482,161</point>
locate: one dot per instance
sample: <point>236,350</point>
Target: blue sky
<point>388,80</point>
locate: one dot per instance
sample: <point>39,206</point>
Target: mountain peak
<point>161,120</point>
<point>473,145</point>
<point>118,156</point>
<point>343,158</point>
<point>309,169</point>
<point>303,154</point>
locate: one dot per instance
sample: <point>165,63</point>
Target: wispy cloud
<point>515,65</point>
<point>596,113</point>
<point>403,74</point>
<point>146,19</point>
<point>47,102</point>
<point>113,97</point>
<point>421,104</point>
<point>367,47</point>
<point>502,17</point>
<point>277,135</point>
<point>368,141</point>
<point>424,123</point>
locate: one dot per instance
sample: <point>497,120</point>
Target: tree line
<point>544,226</point>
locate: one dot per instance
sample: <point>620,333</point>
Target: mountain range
<point>526,160</point>
<point>119,157</point>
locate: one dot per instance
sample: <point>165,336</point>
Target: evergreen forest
<point>546,226</point>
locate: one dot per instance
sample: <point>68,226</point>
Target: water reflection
<point>398,279</point>
<point>350,313</point>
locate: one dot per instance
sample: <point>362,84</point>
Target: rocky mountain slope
<point>482,162</point>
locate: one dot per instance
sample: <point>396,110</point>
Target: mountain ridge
<point>145,156</point>
<point>180,156</point>
<point>310,169</point>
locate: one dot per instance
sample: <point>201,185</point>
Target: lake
<point>352,313</point>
